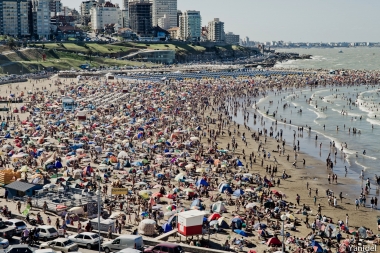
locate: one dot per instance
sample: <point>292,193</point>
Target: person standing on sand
<point>347,217</point>
<point>298,199</point>
<point>356,204</point>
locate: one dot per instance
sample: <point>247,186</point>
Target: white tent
<point>104,224</point>
<point>219,207</point>
<point>147,227</point>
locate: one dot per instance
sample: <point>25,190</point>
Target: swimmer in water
<point>364,152</point>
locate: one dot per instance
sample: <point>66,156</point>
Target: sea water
<point>332,118</point>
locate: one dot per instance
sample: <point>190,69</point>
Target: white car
<point>48,232</point>
<point>87,239</point>
<point>60,244</point>
<point>17,224</point>
<point>4,243</point>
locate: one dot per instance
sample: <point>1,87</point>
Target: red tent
<point>274,241</point>
<point>214,216</point>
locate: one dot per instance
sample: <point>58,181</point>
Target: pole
<point>99,200</point>
<point>283,237</point>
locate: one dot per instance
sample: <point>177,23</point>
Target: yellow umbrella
<point>24,168</point>
<point>290,216</point>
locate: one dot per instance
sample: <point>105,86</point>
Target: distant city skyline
<point>290,20</point>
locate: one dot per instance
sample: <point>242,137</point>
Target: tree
<point>89,53</point>
<point>11,43</point>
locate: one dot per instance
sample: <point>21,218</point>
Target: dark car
<point>164,248</point>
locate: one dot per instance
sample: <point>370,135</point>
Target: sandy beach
<point>203,109</point>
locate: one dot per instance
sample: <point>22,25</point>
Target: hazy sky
<point>290,20</point>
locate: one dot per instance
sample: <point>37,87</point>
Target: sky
<point>289,20</point>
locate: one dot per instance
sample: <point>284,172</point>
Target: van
<point>124,242</point>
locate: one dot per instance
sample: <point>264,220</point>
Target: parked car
<point>164,248</point>
<point>17,224</point>
<point>48,232</point>
<point>60,244</point>
<point>87,239</point>
<point>123,242</point>
<point>4,243</point>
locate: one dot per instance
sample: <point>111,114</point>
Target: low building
<point>21,189</point>
<point>156,56</point>
<point>232,39</point>
<point>68,104</point>
<point>174,33</point>
<point>68,31</point>
<point>127,33</point>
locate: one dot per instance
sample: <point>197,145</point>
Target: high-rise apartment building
<point>85,8</point>
<point>140,17</point>
<point>41,19</point>
<point>179,14</point>
<point>190,25</point>
<point>105,14</point>
<point>55,7</point>
<point>14,18</point>
<point>164,8</point>
<point>215,30</point>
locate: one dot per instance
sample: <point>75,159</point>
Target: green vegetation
<point>30,60</point>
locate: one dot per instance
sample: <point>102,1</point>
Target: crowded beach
<point>157,150</point>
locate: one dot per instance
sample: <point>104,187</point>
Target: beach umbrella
<point>24,168</point>
<point>362,232</point>
<point>189,190</point>
<point>290,216</point>
<point>251,205</point>
<point>179,177</point>
<point>214,216</point>
<point>157,186</point>
<point>240,232</point>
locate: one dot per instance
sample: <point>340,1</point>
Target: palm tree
<point>89,53</point>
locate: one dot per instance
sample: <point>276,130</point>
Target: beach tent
<point>201,182</point>
<point>225,187</point>
<point>223,223</point>
<point>196,204</point>
<point>316,246</point>
<point>239,163</point>
<point>362,232</point>
<point>167,227</point>
<point>274,241</point>
<point>238,193</point>
<point>219,207</point>
<point>213,216</point>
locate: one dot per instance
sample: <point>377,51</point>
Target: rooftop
<point>19,186</point>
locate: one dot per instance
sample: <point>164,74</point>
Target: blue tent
<point>201,182</point>
<point>225,187</point>
<point>58,164</point>
<point>167,227</point>
<point>238,193</point>
<point>196,203</point>
<point>240,232</point>
<point>316,244</point>
<point>239,163</point>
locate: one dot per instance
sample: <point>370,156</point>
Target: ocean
<point>361,58</point>
<point>332,118</point>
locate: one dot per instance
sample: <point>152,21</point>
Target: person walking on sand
<point>356,204</point>
<point>347,218</point>
<point>298,199</point>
